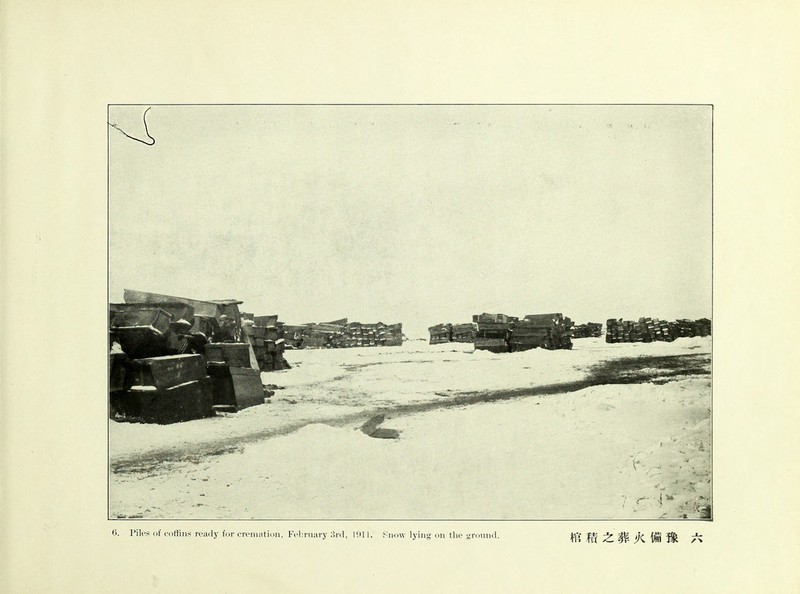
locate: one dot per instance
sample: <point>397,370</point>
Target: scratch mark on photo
<point>150,142</point>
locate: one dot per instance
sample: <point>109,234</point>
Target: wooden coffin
<point>184,402</point>
<point>165,372</point>
<point>236,387</point>
<point>235,354</point>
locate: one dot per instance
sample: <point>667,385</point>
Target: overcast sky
<point>416,214</point>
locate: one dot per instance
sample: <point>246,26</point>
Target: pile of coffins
<point>500,333</point>
<point>464,332</point>
<point>237,379</point>
<point>293,336</point>
<point>144,330</point>
<point>547,331</point>
<point>444,333</point>
<point>164,389</point>
<point>265,335</point>
<point>325,335</point>
<point>174,359</point>
<point>343,334</point>
<point>390,334</point>
<point>689,328</point>
<point>357,334</point>
<point>623,331</point>
<point>493,332</point>
<point>588,330</point>
<point>441,333</point>
<point>655,330</point>
<point>361,335</point>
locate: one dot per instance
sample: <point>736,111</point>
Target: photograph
<point>472,312</point>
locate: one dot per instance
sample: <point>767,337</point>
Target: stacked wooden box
<point>255,336</point>
<point>141,331</point>
<point>380,334</point>
<point>341,334</point>
<point>547,331</point>
<point>266,337</point>
<point>441,333</point>
<point>493,332</point>
<point>464,332</point>
<point>588,330</point>
<point>235,373</point>
<point>153,375</point>
<point>655,330</point>
<point>619,330</point>
<point>154,329</point>
<point>702,327</point>
<point>394,334</point>
<point>164,390</point>
<point>388,334</point>
<point>344,339</point>
<point>321,335</point>
<point>688,328</point>
<point>363,334</point>
<point>168,361</point>
<point>293,336</point>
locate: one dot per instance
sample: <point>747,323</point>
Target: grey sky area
<point>416,214</point>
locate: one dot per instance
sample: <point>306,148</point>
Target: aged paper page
<point>64,65</point>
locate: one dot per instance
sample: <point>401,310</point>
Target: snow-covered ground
<point>576,450</point>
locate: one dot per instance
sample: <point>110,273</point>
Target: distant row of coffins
<point>655,330</point>
<point>343,334</point>
<point>501,333</point>
<point>442,333</point>
<point>588,330</point>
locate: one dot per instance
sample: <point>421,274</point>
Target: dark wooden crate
<point>236,386</point>
<point>495,345</point>
<point>235,354</point>
<point>184,402</point>
<point>142,317</point>
<point>165,372</point>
